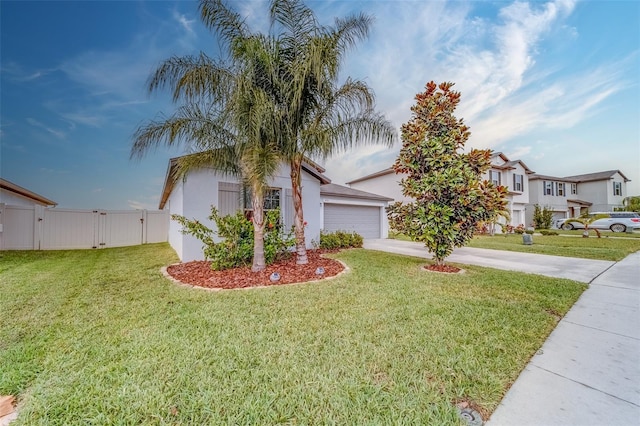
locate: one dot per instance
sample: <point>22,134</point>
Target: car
<point>613,221</point>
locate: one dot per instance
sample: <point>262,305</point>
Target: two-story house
<point>515,176</point>
<point>572,196</point>
<point>512,174</point>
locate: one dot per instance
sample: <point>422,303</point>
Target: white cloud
<point>187,24</point>
<point>57,133</point>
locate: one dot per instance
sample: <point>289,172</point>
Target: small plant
<point>519,229</point>
<point>529,231</point>
<point>339,240</point>
<point>542,217</point>
<point>236,248</point>
<point>547,232</point>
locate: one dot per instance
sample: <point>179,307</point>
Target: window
<point>494,177</point>
<point>518,183</point>
<point>617,188</point>
<point>560,189</point>
<point>548,188</point>
<point>574,188</point>
<point>271,201</point>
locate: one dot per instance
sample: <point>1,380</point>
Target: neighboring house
<point>572,196</point>
<point>326,206</point>
<point>12,194</point>
<point>512,174</point>
<point>515,176</point>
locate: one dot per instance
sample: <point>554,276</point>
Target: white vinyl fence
<point>39,228</point>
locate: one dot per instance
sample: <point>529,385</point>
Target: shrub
<point>542,217</point>
<point>529,231</point>
<point>339,239</point>
<point>519,229</point>
<point>236,248</point>
<point>547,232</point>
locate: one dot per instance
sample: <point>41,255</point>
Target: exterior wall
<point>387,185</point>
<point>557,203</point>
<point>600,193</point>
<point>384,223</point>
<point>194,197</point>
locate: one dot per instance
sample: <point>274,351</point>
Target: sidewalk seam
<point>585,385</point>
<point>599,329</point>
<point>597,276</point>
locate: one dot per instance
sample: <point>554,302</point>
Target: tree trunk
<point>296,189</point>
<point>257,201</point>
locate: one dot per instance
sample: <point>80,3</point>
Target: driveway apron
<point>588,370</point>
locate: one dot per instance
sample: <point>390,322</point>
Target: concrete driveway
<point>583,270</point>
<point>588,370</point>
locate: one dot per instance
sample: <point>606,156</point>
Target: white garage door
<point>365,220</point>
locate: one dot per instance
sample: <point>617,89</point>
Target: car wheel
<point>567,226</point>
<point>618,227</point>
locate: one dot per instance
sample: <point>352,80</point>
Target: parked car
<point>613,221</point>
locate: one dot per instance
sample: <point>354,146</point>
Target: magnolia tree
<point>450,196</point>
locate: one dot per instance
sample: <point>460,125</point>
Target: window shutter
<point>289,212</point>
<point>228,198</point>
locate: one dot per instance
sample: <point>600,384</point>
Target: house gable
<point>10,193</point>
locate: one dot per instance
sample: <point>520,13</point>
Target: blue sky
<point>555,84</point>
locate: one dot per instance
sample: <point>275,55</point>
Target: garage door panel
<point>365,220</point>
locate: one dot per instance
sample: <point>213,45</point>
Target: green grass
<point>100,337</point>
<point>589,248</point>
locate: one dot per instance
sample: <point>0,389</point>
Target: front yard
<point>100,337</point>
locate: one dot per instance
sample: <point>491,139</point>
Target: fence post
<point>38,218</point>
<point>145,224</point>
<point>1,225</point>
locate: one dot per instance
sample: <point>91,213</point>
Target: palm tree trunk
<point>296,189</point>
<point>257,201</point>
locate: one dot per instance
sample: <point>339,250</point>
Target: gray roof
<point>333,190</point>
<point>589,177</point>
<point>372,175</point>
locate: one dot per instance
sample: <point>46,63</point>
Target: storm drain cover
<point>470,416</point>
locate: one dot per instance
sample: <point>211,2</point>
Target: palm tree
<point>320,117</point>
<point>226,117</point>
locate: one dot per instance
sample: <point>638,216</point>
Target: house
<point>326,206</point>
<point>12,194</point>
<point>572,196</point>
<point>513,174</point>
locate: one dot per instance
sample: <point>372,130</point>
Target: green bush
<point>542,217</point>
<point>547,232</point>
<point>339,239</point>
<point>236,248</point>
<point>529,231</point>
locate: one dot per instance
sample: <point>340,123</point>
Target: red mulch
<point>199,273</point>
<point>443,268</point>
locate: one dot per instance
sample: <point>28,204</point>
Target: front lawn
<point>604,248</point>
<point>100,337</point>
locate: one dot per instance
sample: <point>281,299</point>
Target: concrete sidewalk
<point>588,370</point>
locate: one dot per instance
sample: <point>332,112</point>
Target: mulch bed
<point>443,268</point>
<point>199,273</point>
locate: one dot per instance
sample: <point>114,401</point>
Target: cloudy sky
<point>555,84</point>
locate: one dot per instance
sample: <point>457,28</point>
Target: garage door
<point>365,220</point>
